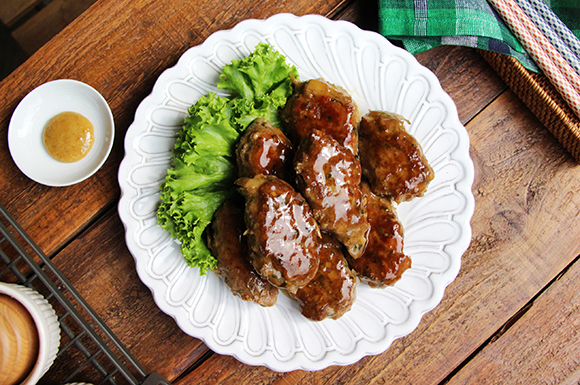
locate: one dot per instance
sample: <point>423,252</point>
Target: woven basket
<point>536,91</point>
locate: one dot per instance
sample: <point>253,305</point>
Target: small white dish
<point>30,117</point>
<point>46,323</point>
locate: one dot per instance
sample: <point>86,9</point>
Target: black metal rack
<point>89,351</point>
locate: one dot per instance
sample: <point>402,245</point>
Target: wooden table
<point>511,316</point>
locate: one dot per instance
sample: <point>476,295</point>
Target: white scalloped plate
<point>437,226</point>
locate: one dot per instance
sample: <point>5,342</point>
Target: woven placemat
<point>536,91</point>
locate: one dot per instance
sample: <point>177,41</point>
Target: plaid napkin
<point>424,24</point>
<point>569,12</point>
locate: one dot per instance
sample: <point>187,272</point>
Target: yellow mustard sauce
<point>68,137</point>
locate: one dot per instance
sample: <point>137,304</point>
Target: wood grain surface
<point>541,347</point>
<point>511,316</point>
<point>43,25</point>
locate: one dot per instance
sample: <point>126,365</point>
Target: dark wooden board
<point>541,346</point>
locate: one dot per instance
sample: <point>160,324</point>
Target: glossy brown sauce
<point>329,175</point>
<point>288,228</point>
<point>391,158</point>
<point>315,241</point>
<point>282,233</point>
<point>263,149</point>
<point>318,105</point>
<point>229,246</point>
<point>68,137</point>
<point>383,261</point>
<point>332,291</point>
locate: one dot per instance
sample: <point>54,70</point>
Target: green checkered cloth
<point>425,24</point>
<point>569,12</point>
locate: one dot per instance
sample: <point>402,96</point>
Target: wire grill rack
<point>89,351</point>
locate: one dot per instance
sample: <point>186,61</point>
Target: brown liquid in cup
<point>19,344</point>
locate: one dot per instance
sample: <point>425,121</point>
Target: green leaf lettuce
<point>203,167</point>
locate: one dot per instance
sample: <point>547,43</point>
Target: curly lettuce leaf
<point>260,84</point>
<point>198,181</point>
<point>203,166</point>
<point>186,218</point>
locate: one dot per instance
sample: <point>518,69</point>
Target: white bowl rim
<point>44,348</point>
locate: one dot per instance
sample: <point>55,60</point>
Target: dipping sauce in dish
<point>68,137</point>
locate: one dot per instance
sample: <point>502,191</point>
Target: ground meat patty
<point>332,291</point>
<point>228,245</point>
<point>391,158</point>
<point>283,235</point>
<point>328,176</point>
<point>319,105</point>
<point>383,261</point>
<point>263,149</point>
